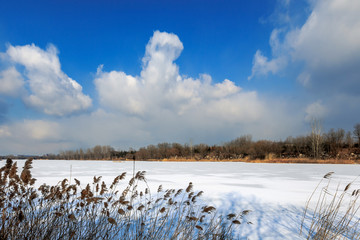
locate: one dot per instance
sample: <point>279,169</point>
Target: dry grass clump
<point>98,211</point>
<point>336,213</point>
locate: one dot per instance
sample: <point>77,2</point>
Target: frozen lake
<point>276,193</point>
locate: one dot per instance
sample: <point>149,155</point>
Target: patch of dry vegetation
<point>305,160</point>
<point>266,160</point>
<point>98,211</point>
<point>335,214</point>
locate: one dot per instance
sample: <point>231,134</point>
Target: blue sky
<point>133,73</point>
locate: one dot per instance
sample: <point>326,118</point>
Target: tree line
<point>96,153</point>
<point>336,143</point>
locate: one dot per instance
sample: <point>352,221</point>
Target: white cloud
<point>315,110</point>
<point>330,36</point>
<point>225,88</point>
<point>262,65</point>
<point>158,105</point>
<point>160,88</point>
<point>158,63</point>
<point>135,94</point>
<point>322,53</point>
<point>162,105</point>
<point>326,44</point>
<point>304,78</point>
<point>119,91</point>
<point>11,82</point>
<point>51,90</point>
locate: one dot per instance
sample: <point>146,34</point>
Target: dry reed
<point>335,215</point>
<point>98,211</point>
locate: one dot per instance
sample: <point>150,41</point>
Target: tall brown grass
<point>335,214</point>
<point>99,211</point>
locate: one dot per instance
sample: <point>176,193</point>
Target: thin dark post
<point>70,173</point>
<point>134,165</point>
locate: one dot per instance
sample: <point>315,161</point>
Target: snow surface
<point>276,193</point>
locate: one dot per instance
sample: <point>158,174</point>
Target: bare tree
<point>334,140</point>
<point>357,132</point>
<point>316,137</point>
<point>349,141</point>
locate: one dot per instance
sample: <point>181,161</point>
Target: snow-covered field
<point>276,193</point>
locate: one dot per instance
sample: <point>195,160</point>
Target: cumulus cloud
<point>158,105</point>
<point>330,36</point>
<point>50,90</point>
<point>262,65</point>
<point>322,53</point>
<point>11,82</point>
<point>160,87</point>
<point>326,45</point>
<point>119,91</point>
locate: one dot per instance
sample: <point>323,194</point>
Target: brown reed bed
<point>101,211</point>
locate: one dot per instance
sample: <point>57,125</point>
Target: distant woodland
<point>334,144</point>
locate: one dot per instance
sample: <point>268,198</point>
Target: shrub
<point>99,211</point>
